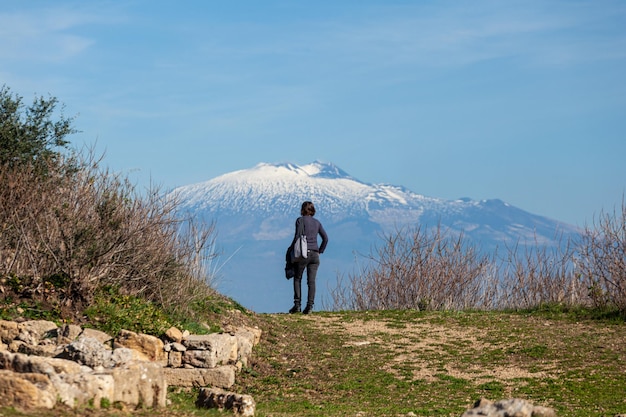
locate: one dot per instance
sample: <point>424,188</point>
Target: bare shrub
<point>602,262</point>
<point>418,269</point>
<point>72,232</point>
<point>535,275</point>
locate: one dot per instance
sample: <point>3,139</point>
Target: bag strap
<point>301,226</point>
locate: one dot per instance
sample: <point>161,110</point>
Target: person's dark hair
<point>308,209</point>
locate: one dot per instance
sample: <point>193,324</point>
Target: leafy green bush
<point>29,135</point>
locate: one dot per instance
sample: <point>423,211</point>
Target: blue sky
<point>519,100</point>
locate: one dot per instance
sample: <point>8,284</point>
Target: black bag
<point>290,267</point>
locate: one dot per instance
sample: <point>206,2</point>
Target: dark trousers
<point>311,263</point>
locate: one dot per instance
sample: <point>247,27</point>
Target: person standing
<point>312,228</point>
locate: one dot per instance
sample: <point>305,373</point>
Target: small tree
<point>29,135</point>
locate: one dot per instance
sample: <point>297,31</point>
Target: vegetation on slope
<point>393,363</point>
<point>76,239</point>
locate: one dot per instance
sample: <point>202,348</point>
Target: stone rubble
<point>508,408</point>
<point>241,405</point>
<point>42,365</point>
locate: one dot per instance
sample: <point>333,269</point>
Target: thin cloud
<point>456,36</point>
<point>47,35</point>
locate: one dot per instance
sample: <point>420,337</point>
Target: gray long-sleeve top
<point>312,227</point>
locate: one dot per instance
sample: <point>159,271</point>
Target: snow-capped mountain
<point>255,210</point>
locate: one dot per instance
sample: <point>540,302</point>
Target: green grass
<point>436,363</point>
<point>112,312</point>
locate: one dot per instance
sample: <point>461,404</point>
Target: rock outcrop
<point>42,365</point>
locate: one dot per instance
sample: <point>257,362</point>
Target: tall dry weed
<point>535,275</point>
<point>602,259</point>
<point>417,269</point>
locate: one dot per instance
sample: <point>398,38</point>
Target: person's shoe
<point>307,309</point>
<point>294,309</point>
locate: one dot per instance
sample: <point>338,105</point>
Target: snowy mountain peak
<point>315,169</point>
<point>286,167</point>
<point>276,191</point>
<point>320,169</point>
<point>278,188</point>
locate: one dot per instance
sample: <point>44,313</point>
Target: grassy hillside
<point>435,363</point>
<point>393,363</point>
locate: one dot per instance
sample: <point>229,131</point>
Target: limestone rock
<point>240,405</point>
<point>17,362</point>
<point>68,333</point>
<point>200,358</point>
<point>8,331</point>
<point>15,346</point>
<point>140,384</point>
<point>102,337</point>
<point>88,351</point>
<point>245,343</point>
<point>178,347</point>
<point>173,334</point>
<point>222,376</point>
<point>32,331</point>
<point>26,390</point>
<point>150,346</point>
<point>175,359</point>
<point>42,365</point>
<point>508,408</point>
<point>46,347</point>
<point>210,350</point>
<point>255,331</point>
<point>82,389</point>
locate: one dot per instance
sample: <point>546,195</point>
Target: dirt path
<point>412,343</point>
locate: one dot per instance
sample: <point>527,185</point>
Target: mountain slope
<point>255,210</point>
